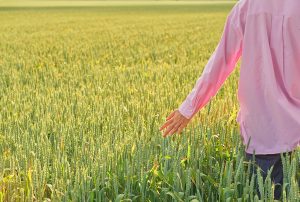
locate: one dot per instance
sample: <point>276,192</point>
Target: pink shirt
<point>266,35</point>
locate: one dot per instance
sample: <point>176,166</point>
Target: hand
<point>175,122</point>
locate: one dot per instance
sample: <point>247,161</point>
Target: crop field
<point>84,90</point>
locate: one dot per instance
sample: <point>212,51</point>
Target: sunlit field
<point>84,90</point>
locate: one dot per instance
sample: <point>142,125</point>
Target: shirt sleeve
<point>219,66</point>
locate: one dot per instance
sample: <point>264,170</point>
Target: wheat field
<point>84,89</point>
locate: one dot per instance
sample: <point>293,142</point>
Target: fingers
<point>172,128</point>
<point>171,115</point>
<point>175,127</point>
<point>180,129</point>
<point>182,126</point>
<point>175,123</point>
<point>170,119</point>
<point>166,124</point>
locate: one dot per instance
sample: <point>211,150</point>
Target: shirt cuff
<point>186,109</point>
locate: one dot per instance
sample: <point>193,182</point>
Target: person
<point>265,35</point>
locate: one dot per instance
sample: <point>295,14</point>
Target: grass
<point>106,3</point>
<point>83,91</point>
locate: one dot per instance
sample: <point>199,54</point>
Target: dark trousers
<point>265,162</point>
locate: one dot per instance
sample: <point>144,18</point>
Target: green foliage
<point>83,92</point>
